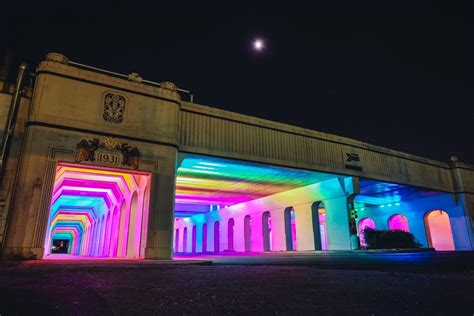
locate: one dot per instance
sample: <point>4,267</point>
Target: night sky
<point>399,75</point>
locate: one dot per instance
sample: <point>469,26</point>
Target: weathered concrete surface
<point>131,288</point>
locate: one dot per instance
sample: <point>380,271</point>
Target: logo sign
<point>352,160</point>
<point>352,157</point>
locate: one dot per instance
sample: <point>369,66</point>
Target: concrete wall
<point>8,178</point>
<point>222,133</point>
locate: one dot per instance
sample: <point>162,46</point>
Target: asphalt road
<point>368,260</point>
<point>306,287</point>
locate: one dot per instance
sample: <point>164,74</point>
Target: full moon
<point>258,45</point>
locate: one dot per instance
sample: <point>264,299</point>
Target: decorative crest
<point>114,108</point>
<point>107,151</point>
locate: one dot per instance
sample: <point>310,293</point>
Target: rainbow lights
<point>214,181</point>
<point>212,191</point>
<point>98,211</point>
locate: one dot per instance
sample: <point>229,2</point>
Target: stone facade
<point>71,106</point>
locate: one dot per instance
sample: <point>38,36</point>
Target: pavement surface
<point>361,260</point>
<point>302,284</point>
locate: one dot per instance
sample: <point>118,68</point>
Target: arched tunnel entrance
<point>97,212</point>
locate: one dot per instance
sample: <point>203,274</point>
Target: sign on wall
<point>351,160</point>
<point>107,151</point>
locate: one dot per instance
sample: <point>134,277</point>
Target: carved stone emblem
<point>107,151</point>
<point>114,108</point>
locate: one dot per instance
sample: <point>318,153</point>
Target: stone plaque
<point>107,151</point>
<point>108,157</point>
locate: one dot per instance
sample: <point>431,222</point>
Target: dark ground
<point>145,287</point>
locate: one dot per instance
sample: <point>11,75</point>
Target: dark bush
<point>389,239</point>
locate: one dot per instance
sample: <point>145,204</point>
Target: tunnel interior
<point>391,206</point>
<point>97,212</point>
<point>226,206</point>
<point>206,187</point>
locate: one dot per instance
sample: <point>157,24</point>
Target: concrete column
<point>239,239</point>
<point>337,222</point>
<point>161,212</point>
<point>304,226</point>
<point>278,230</point>
<point>199,227</point>
<point>416,223</point>
<point>465,222</point>
<point>460,234</point>
<point>256,241</point>
<point>189,239</point>
<point>223,235</point>
<point>210,235</point>
<point>181,238</point>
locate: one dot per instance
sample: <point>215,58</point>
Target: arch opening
<point>194,240</point>
<point>216,236</point>
<point>248,233</point>
<point>318,212</point>
<point>176,240</point>
<point>185,239</point>
<point>230,234</point>
<point>290,228</point>
<point>398,222</point>
<point>87,212</point>
<point>363,224</point>
<point>204,238</point>
<point>438,230</point>
<point>267,231</point>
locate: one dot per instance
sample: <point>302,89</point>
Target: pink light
<point>439,231</point>
<point>398,222</point>
<point>363,224</point>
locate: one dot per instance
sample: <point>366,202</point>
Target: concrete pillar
<point>278,230</point>
<point>337,222</point>
<point>256,241</point>
<point>161,213</point>
<point>380,221</point>
<point>210,235</point>
<point>465,222</point>
<point>416,223</point>
<point>223,234</point>
<point>181,239</point>
<point>239,239</point>
<point>304,227</point>
<point>199,227</point>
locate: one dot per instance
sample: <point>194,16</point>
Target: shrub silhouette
<point>389,239</point>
